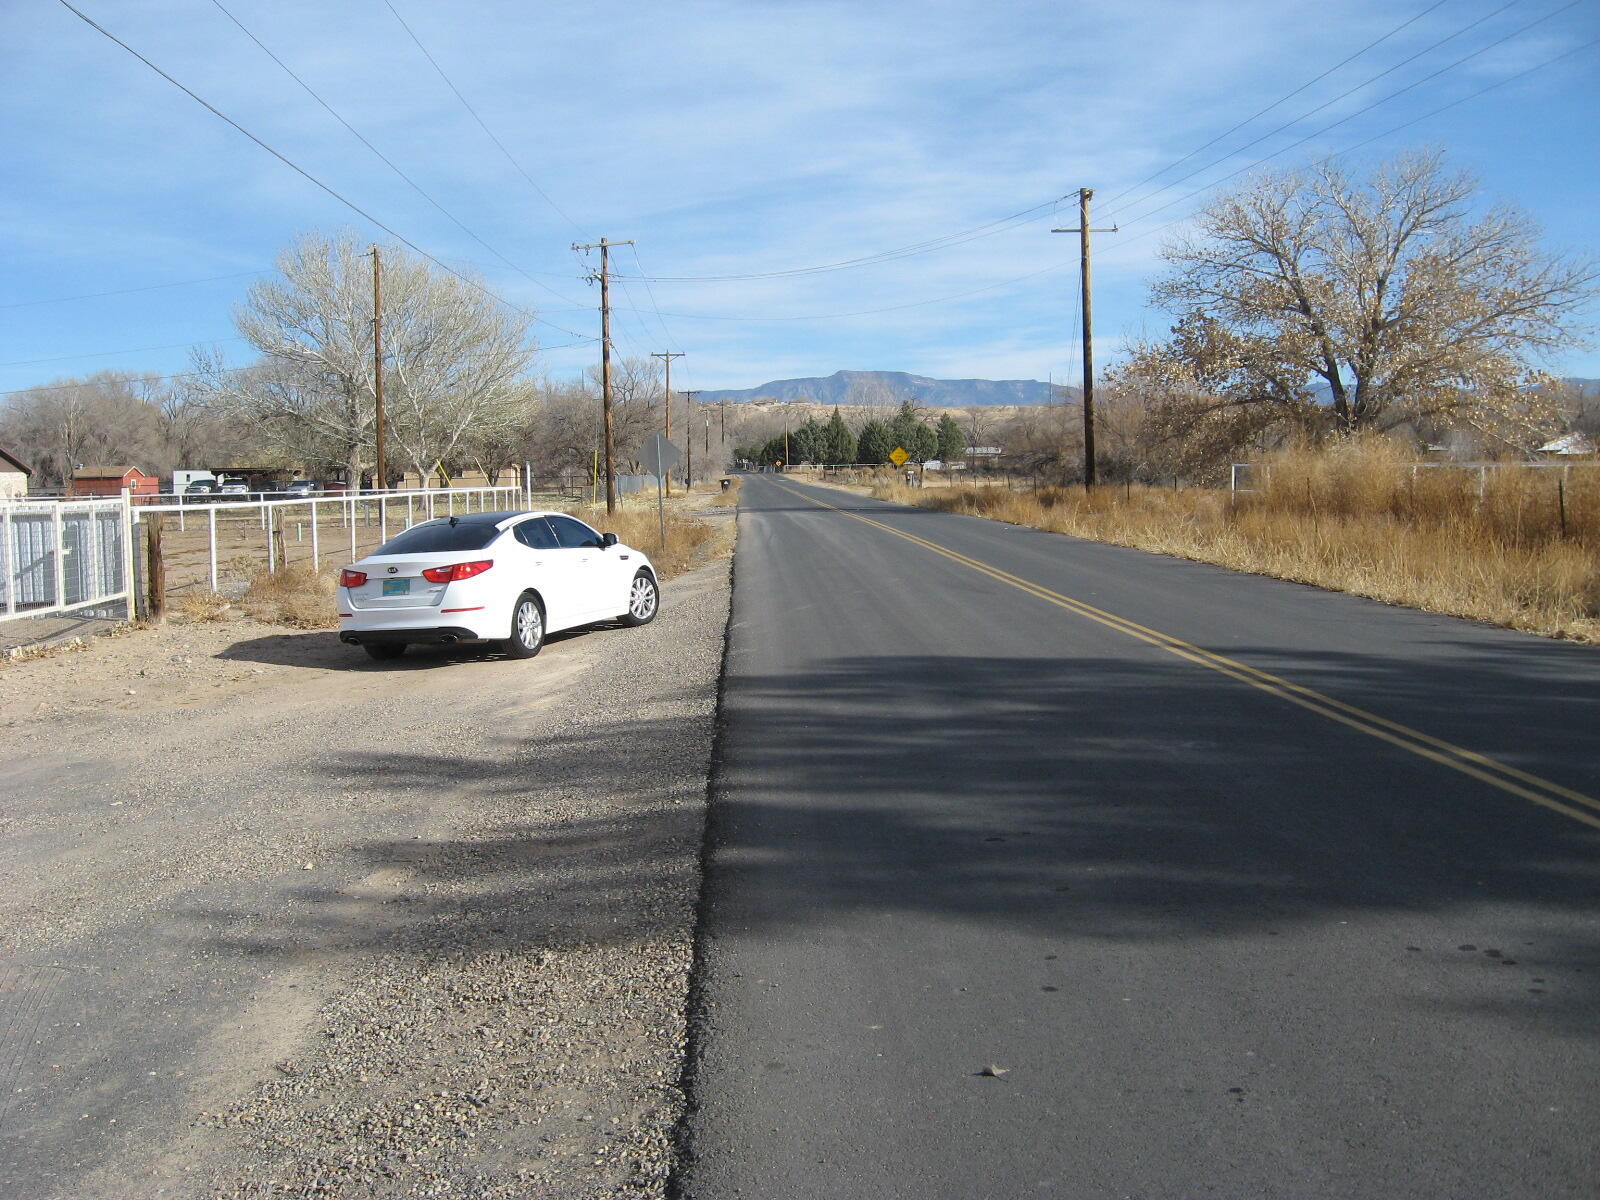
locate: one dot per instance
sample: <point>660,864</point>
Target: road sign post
<point>658,457</point>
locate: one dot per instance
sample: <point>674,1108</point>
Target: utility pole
<point>1084,230</point>
<point>604,277</point>
<point>668,355</point>
<point>688,442</point>
<point>380,467</point>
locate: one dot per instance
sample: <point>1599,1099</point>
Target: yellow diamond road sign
<point>898,456</point>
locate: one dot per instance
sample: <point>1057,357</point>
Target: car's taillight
<point>457,571</point>
<point>349,578</point>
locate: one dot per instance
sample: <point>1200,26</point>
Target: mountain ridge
<point>877,387</point>
<point>891,387</point>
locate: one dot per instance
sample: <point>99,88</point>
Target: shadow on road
<point>1082,798</point>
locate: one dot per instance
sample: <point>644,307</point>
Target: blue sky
<point>730,139</point>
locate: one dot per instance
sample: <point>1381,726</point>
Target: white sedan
<point>498,576</point>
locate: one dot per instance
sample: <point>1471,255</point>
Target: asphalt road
<point>1241,926</point>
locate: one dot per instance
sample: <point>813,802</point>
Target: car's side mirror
<point>607,540</point>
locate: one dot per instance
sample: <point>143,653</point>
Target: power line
<point>1499,83</point>
<point>651,293</point>
<point>1287,96</point>
<point>384,158</point>
<point>307,175</point>
<point>1368,107</point>
<point>130,291</point>
<point>32,362</point>
<point>958,238</point>
<point>481,125</point>
<point>1123,245</point>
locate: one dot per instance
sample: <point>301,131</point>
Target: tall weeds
<point>1359,518</point>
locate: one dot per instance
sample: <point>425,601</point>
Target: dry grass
<point>689,542</point>
<point>295,595</point>
<point>1356,519</point>
<point>193,604</point>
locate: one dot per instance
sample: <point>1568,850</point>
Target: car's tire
<point>384,651</point>
<point>644,600</point>
<point>527,628</point>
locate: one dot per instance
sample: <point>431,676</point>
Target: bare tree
<point>113,418</point>
<point>1382,300</point>
<point>452,357</point>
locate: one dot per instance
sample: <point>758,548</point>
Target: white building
<point>13,475</point>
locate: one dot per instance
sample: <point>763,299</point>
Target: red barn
<point>110,481</point>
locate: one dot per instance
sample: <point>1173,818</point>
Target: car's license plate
<point>397,587</point>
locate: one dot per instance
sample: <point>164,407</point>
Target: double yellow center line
<point>1468,762</point>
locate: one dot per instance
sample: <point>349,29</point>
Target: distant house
<point>13,475</point>
<point>110,481</point>
<point>1569,444</point>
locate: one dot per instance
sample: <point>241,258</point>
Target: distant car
<point>302,487</point>
<point>509,577</point>
<point>201,487</point>
<point>233,487</point>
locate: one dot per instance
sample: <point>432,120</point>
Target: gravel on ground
<point>285,922</point>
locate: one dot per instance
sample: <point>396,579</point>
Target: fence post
<point>8,554</point>
<point>156,571</point>
<point>409,521</point>
<point>272,548</point>
<point>1561,500</point>
<point>211,544</point>
<point>316,548</point>
<point>352,531</point>
<point>130,556</point>
<point>383,519</point>
<point>59,558</point>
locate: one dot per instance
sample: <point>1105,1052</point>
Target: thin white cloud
<point>726,138</point>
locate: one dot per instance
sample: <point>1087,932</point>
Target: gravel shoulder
<point>282,921</point>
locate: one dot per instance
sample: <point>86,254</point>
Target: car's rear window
<point>431,537</point>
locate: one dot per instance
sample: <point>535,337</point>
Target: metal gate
<point>59,556</point>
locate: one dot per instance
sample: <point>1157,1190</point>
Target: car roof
<point>501,518</point>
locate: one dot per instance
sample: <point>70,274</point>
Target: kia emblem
<point>394,570</point>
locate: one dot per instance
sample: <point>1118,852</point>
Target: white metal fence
<point>320,526</point>
<point>66,556</point>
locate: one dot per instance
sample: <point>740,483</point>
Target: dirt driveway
<point>282,921</point>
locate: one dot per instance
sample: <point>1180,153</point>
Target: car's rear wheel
<point>527,629</point>
<point>644,599</point>
<point>384,651</point>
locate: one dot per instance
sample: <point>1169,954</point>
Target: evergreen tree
<point>952,442</point>
<point>841,443</point>
<point>903,426</point>
<point>808,444</point>
<point>911,433</point>
<point>874,443</point>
